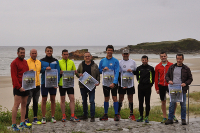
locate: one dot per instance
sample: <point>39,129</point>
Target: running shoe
<point>27,122</point>
<point>104,117</point>
<point>164,120</point>
<point>132,117</point>
<point>64,118</point>
<point>22,125</point>
<point>140,119</point>
<point>174,119</point>
<point>75,119</point>
<point>117,118</point>
<point>35,121</point>
<point>43,120</point>
<point>14,127</point>
<point>146,119</point>
<point>53,120</point>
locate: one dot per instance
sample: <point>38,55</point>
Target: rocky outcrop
<point>79,55</point>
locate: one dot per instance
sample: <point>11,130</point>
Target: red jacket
<point>160,72</point>
<point>18,67</point>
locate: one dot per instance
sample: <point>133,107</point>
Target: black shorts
<point>63,90</point>
<point>163,90</point>
<point>19,93</point>
<point>106,91</point>
<point>127,91</point>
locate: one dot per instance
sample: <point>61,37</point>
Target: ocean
<point>9,53</point>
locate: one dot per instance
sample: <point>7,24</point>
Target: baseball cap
<point>125,51</point>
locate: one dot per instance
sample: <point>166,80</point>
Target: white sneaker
<point>53,120</point>
<point>43,120</point>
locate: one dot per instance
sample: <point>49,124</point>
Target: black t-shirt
<point>87,68</point>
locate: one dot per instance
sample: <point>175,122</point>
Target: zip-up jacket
<point>36,66</point>
<point>160,72</point>
<point>17,68</point>
<point>111,63</point>
<point>94,72</point>
<point>49,62</point>
<point>186,76</point>
<point>145,74</point>
<point>70,66</point>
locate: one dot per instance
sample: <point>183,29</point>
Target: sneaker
<point>146,119</point>
<point>75,119</point>
<point>53,120</point>
<point>43,120</point>
<point>14,127</point>
<point>164,120</point>
<point>140,119</point>
<point>35,121</point>
<point>84,117</point>
<point>104,117</point>
<point>132,117</point>
<point>174,119</point>
<point>92,119</point>
<point>27,122</point>
<point>169,122</point>
<point>183,122</point>
<point>22,125</point>
<point>64,118</point>
<point>117,118</point>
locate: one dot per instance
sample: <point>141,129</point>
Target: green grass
<point>195,96</point>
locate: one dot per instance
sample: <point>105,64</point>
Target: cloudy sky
<point>97,22</point>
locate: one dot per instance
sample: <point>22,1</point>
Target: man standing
<point>91,68</point>
<point>145,76</point>
<point>161,84</point>
<point>48,63</point>
<point>67,64</point>
<point>34,65</point>
<point>126,65</point>
<point>179,73</point>
<point>105,64</point>
<point>18,67</point>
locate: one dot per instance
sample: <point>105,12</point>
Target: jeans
<point>84,94</point>
<point>183,108</point>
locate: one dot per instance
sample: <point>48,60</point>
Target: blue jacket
<point>53,63</point>
<point>113,64</point>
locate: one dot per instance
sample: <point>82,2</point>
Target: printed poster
<point>28,80</point>
<point>175,93</point>
<point>68,79</point>
<point>127,79</point>
<point>51,78</point>
<point>108,77</point>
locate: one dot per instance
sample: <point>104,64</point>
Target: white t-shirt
<point>125,65</point>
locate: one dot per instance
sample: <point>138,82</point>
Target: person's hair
<point>20,48</point>
<point>64,50</point>
<point>163,53</point>
<point>48,47</point>
<point>86,53</point>
<point>144,56</point>
<point>180,55</point>
<point>110,46</point>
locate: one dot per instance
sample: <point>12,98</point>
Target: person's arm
<point>190,79</point>
<point>15,81</point>
<point>153,75</point>
<point>116,71</point>
<point>78,70</point>
<point>58,68</point>
<point>167,76</point>
<point>100,67</point>
<point>43,68</point>
<point>137,73</point>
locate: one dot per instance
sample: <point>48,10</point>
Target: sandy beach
<point>7,99</point>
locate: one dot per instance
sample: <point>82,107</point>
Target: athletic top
<point>111,63</point>
<point>70,66</point>
<point>18,67</point>
<point>36,66</point>
<point>53,63</point>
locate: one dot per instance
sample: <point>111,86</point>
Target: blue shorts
<point>44,91</point>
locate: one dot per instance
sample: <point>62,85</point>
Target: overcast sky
<point>97,22</point>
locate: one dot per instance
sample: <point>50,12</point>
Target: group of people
<point>165,73</point>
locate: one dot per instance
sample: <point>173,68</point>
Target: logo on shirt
<point>111,64</point>
<point>124,66</point>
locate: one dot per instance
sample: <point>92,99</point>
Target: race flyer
<point>68,79</point>
<point>127,79</point>
<point>175,93</point>
<point>51,78</point>
<point>28,80</point>
<point>108,77</point>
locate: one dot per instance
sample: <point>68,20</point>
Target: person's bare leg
<point>72,103</point>
<point>114,98</point>
<point>130,98</point>
<point>163,106</point>
<point>23,107</point>
<point>53,104</point>
<point>62,104</point>
<point>121,98</point>
<point>43,106</point>
<point>17,101</point>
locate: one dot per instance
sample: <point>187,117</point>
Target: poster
<point>127,79</point>
<point>51,78</point>
<point>88,81</point>
<point>28,80</point>
<point>108,77</point>
<point>175,93</point>
<point>68,79</point>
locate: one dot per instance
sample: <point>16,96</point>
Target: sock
<point>116,107</point>
<point>72,115</point>
<point>119,107</point>
<point>106,105</point>
<point>131,108</point>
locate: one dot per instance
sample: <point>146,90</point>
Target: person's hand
<point>31,70</point>
<point>75,72</point>
<point>97,84</point>
<point>170,82</point>
<point>80,75</point>
<point>48,68</point>
<point>21,89</point>
<point>158,92</point>
<point>124,87</point>
<point>183,84</point>
<point>55,87</point>
<point>61,72</point>
<point>112,85</point>
<point>129,70</point>
<point>106,68</point>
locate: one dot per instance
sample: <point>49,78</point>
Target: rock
<point>78,54</point>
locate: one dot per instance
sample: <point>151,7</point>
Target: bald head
<point>33,54</point>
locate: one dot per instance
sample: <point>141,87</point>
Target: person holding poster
<point>48,63</point>
<point>105,64</point>
<point>179,73</point>
<point>128,65</point>
<point>67,65</point>
<point>91,68</point>
<point>34,65</point>
<point>17,68</point>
